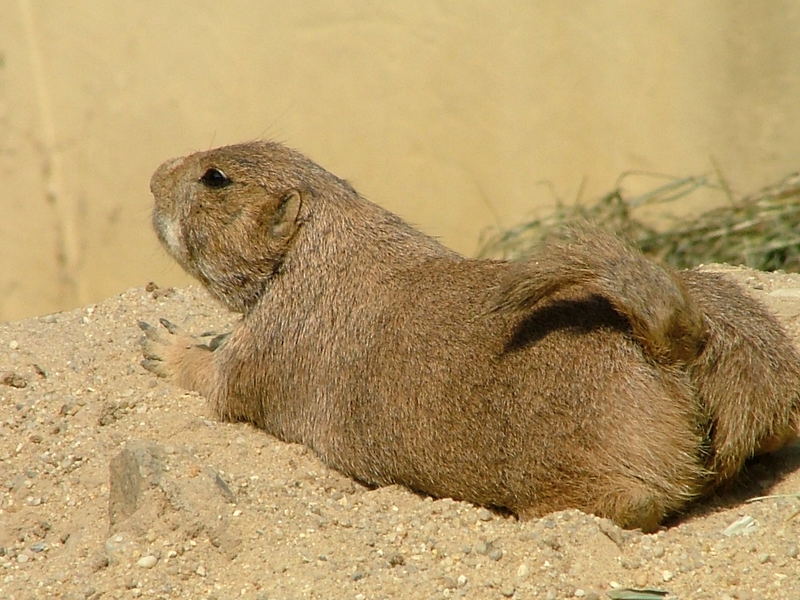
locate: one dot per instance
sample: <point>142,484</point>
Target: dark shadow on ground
<point>759,477</point>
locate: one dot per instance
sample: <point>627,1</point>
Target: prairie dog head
<point>229,215</point>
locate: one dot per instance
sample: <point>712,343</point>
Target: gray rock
<point>137,467</point>
<point>222,485</point>
<point>147,482</point>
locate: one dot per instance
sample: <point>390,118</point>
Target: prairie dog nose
<point>163,172</point>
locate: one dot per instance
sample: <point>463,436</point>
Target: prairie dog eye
<point>215,178</point>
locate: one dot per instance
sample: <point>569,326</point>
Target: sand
<point>114,484</point>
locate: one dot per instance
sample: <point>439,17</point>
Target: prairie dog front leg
<point>179,357</point>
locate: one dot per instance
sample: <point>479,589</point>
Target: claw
<point>169,326</point>
<point>218,340</point>
<point>150,333</point>
<point>155,366</point>
<point>149,353</point>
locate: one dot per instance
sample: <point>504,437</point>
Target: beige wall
<point>451,113</point>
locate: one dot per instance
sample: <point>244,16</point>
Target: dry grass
<point>761,230</point>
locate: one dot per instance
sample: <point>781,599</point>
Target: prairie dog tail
<point>663,317</point>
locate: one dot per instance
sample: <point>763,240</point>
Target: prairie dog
<point>587,377</point>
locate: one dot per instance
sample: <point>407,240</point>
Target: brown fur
<point>587,377</point>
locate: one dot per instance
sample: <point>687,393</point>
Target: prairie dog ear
<point>283,222</point>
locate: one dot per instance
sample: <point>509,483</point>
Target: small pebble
<point>12,379</point>
<point>631,563</point>
<point>745,524</point>
<point>523,571</point>
<point>396,559</point>
<point>508,590</point>
<point>99,562</point>
<point>792,551</point>
<point>495,554</point>
<point>13,344</point>
<point>39,547</point>
<point>579,593</point>
<point>552,542</point>
<point>201,570</point>
<point>449,583</point>
<point>22,557</point>
<point>667,575</point>
<point>484,514</point>
<point>147,562</point>
<point>462,580</point>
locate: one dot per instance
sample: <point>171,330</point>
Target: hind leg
<point>630,450</point>
<point>632,505</point>
<point>628,503</point>
<point>652,465</point>
<point>778,441</point>
<point>747,378</point>
<point>645,471</point>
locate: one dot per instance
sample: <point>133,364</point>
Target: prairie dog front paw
<point>171,353</point>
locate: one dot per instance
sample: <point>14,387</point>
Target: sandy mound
<point>116,485</point>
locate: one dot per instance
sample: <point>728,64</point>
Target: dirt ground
<point>114,484</point>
